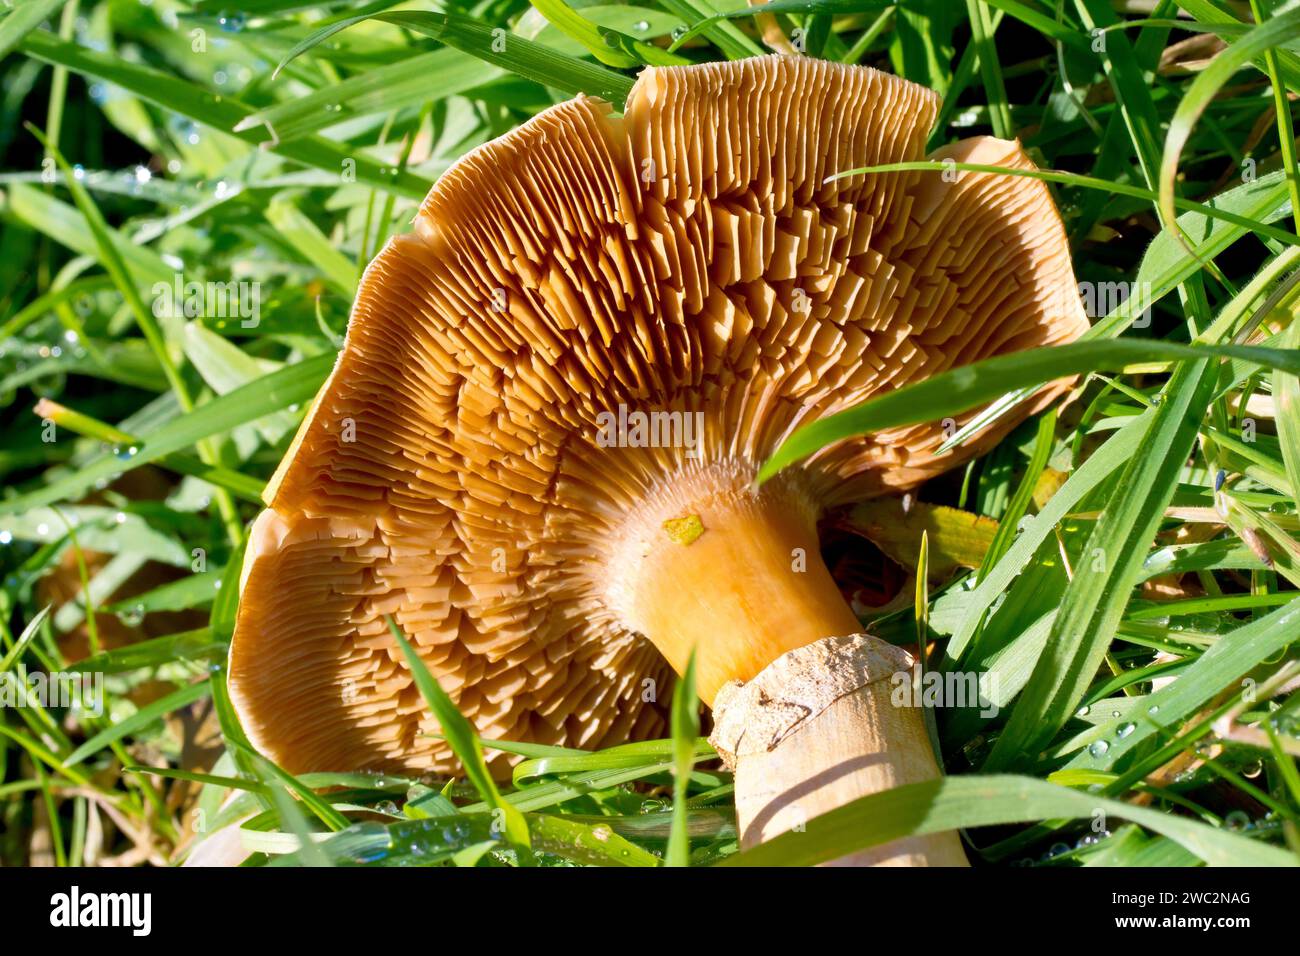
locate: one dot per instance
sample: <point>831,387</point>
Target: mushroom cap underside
<point>692,259</point>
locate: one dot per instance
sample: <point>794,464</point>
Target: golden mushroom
<point>537,450</point>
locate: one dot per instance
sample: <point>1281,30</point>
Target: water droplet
<point>120,517</point>
<point>1099,748</point>
<point>1237,820</point>
<point>1125,729</point>
<point>641,26</point>
<point>1253,769</point>
<point>42,529</point>
<point>387,807</point>
<point>6,537</point>
<point>1114,713</point>
<point>231,22</point>
<point>678,32</point>
<point>1153,709</point>
<point>125,452</point>
<point>131,616</point>
<point>1082,711</point>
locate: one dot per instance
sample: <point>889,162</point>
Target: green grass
<point>1136,614</point>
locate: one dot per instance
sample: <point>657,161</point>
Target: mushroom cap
<point>690,256</point>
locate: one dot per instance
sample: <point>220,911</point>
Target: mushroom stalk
<point>818,729</point>
<point>803,716</point>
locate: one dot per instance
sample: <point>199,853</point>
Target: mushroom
<point>537,450</point>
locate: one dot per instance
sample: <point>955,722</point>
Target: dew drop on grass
<point>1125,729</point>
<point>1237,820</point>
<point>125,452</point>
<point>1253,769</point>
<point>131,616</point>
<point>231,22</point>
<point>1153,709</point>
<point>387,807</point>
<point>1082,711</point>
<point>642,26</point>
<point>1099,748</point>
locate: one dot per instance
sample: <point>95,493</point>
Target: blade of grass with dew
<point>1102,583</point>
<point>462,738</point>
<point>228,783</point>
<point>571,762</point>
<point>218,112</point>
<point>965,802</point>
<point>685,730</point>
<point>291,818</point>
<point>250,489</point>
<point>385,89</point>
<point>141,718</point>
<point>607,45</point>
<point>269,772</point>
<point>958,390</point>
<point>519,56</point>
<point>1220,666</point>
<point>186,646</point>
<point>68,227</point>
<point>733,42</point>
<point>272,393</point>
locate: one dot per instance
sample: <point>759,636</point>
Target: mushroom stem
<point>712,565</point>
<point>731,573</point>
<point>817,729</point>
